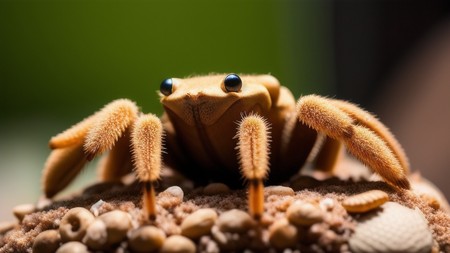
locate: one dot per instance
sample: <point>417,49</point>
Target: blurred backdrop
<point>62,60</point>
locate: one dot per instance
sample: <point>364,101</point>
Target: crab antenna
<point>146,140</point>
<point>253,150</point>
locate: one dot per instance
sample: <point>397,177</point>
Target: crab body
<point>224,128</point>
<point>201,131</point>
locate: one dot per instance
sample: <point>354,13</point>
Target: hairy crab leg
<point>74,135</point>
<point>371,122</point>
<point>329,154</point>
<point>146,139</point>
<point>253,151</point>
<point>371,148</point>
<point>117,163</point>
<point>61,167</point>
<point>80,143</point>
<point>110,123</point>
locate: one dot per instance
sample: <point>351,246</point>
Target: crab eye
<point>166,86</point>
<point>232,83</point>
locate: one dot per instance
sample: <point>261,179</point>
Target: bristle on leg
<point>147,144</point>
<point>254,158</point>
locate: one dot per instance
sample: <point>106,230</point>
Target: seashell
<point>302,213</point>
<point>283,235</point>
<point>74,224</point>
<point>198,223</point>
<point>279,190</point>
<point>178,243</point>
<point>394,228</point>
<point>73,247</point>
<point>366,201</point>
<point>117,225</point>
<point>235,221</point>
<point>46,242</point>
<point>146,239</point>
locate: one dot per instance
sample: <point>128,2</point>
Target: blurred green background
<point>62,60</point>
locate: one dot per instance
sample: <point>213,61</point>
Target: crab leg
<point>117,163</point>
<point>110,123</point>
<point>83,141</point>
<point>74,135</point>
<point>364,118</point>
<point>370,143</point>
<point>146,139</point>
<point>61,167</point>
<point>253,150</point>
<point>329,155</point>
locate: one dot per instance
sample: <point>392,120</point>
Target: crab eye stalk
<point>166,87</point>
<point>232,83</point>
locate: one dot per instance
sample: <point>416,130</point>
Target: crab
<point>223,128</point>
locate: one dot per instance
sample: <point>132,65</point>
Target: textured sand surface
<point>325,227</point>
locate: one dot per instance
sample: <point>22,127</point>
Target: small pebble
<point>73,247</point>
<point>231,242</point>
<point>117,225</point>
<point>21,210</point>
<point>283,235</point>
<point>215,189</point>
<point>278,190</point>
<point>74,224</point>
<point>327,204</point>
<point>283,204</point>
<point>235,221</point>
<point>304,213</point>
<point>146,238</point>
<point>46,242</point>
<point>208,245</point>
<point>96,207</point>
<point>96,235</point>
<point>327,238</point>
<point>316,231</point>
<point>178,244</point>
<point>171,197</point>
<point>198,223</point>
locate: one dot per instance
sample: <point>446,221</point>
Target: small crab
<point>221,128</point>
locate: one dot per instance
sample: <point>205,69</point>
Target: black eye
<point>233,83</point>
<point>166,87</point>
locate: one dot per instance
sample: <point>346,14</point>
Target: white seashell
<point>394,228</point>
